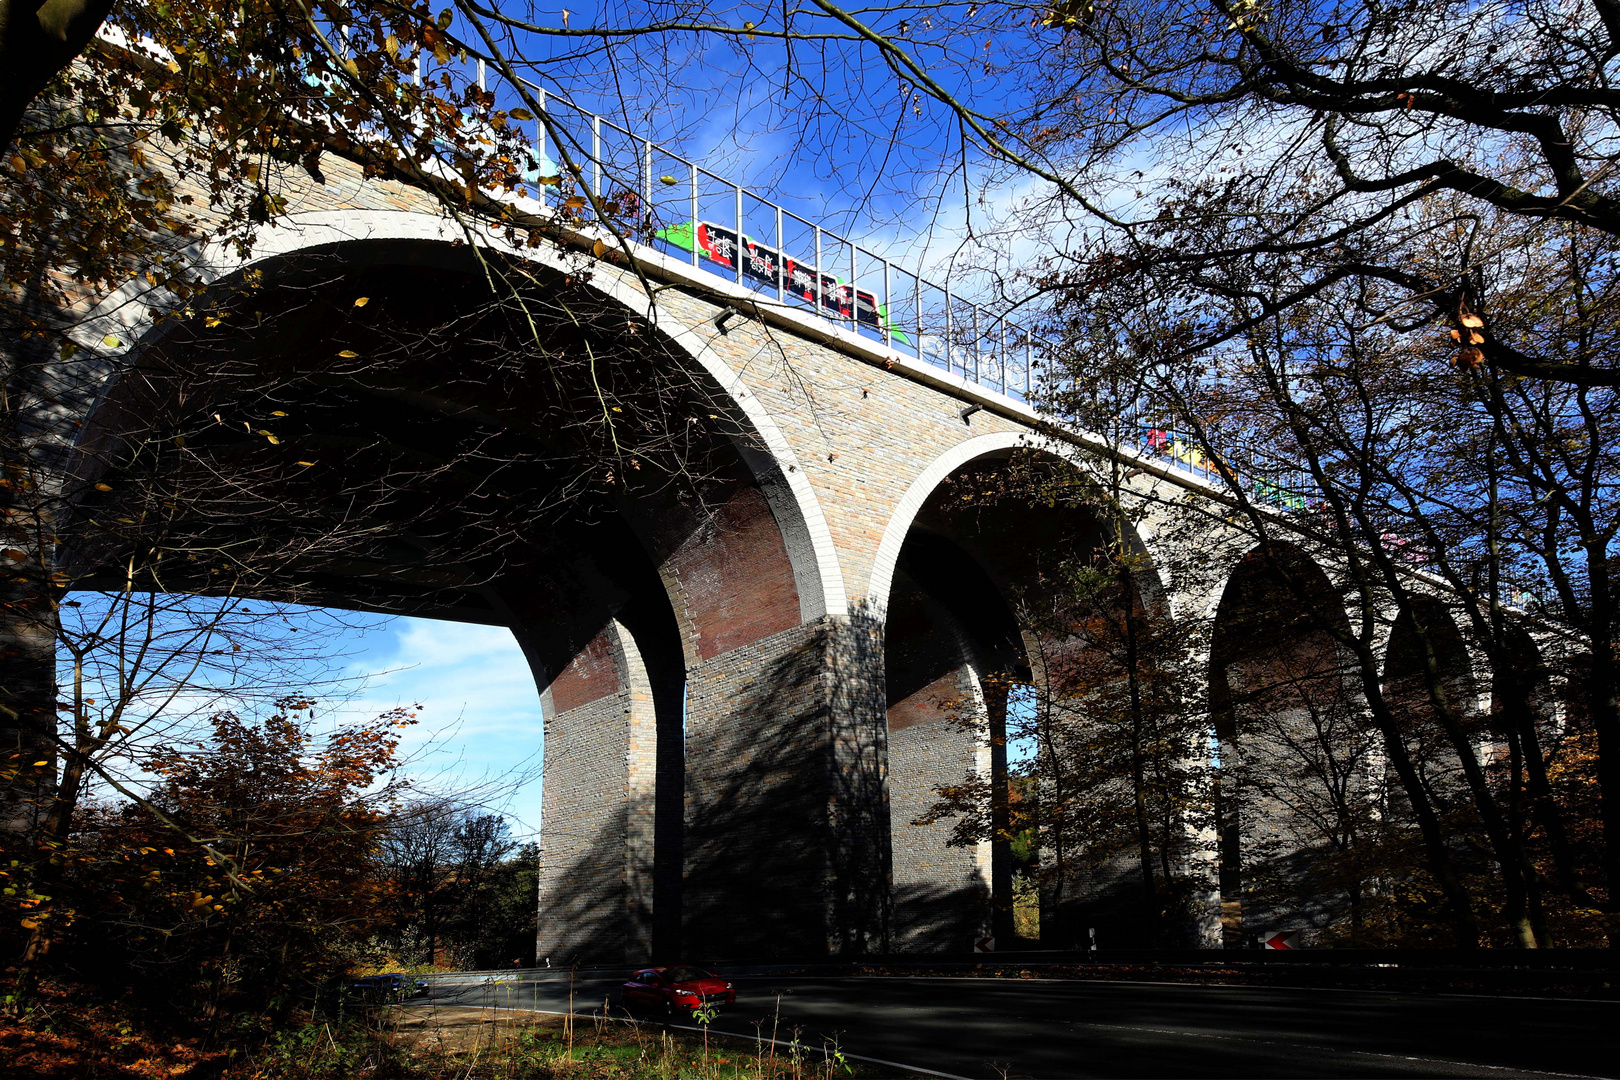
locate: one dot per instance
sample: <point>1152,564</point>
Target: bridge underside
<point>737,762</point>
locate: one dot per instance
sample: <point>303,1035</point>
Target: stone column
<point>941,893</point>
<point>598,807</point>
<point>787,817</point>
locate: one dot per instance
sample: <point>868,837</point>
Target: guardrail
<point>675,206</point>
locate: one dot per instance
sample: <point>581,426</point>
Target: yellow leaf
<point>522,114</point>
<point>103,487</point>
<point>40,764</point>
<point>212,321</point>
<point>269,436</point>
<point>667,179</point>
<point>599,249</point>
<point>30,924</point>
<point>111,341</point>
<point>575,203</point>
<point>18,164</point>
<point>348,354</point>
<point>305,463</point>
<point>362,301</point>
<point>1472,320</point>
<point>391,43</point>
<point>277,412</point>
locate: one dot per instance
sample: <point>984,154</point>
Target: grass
<point>78,1032</point>
<point>425,1043</point>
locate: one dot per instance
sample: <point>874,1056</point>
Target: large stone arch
<point>1425,624</point>
<point>133,315</point>
<point>1294,745</point>
<point>721,630</point>
<point>954,648</point>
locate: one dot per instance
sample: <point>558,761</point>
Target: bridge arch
<point>1297,757</point>
<point>792,499</point>
<point>647,644</point>
<point>952,582</point>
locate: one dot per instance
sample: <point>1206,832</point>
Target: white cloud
<point>479,726</point>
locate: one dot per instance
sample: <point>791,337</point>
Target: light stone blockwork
<point>800,780</point>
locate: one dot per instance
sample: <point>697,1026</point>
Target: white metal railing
<point>675,206</point>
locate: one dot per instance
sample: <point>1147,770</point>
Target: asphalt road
<point>1050,1029</point>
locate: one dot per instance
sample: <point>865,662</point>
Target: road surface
<point>1082,1028</point>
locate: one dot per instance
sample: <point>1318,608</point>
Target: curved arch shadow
<point>425,460</point>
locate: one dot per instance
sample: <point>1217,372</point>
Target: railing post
<point>1029,365</point>
<point>882,312</point>
<point>481,86</point>
<point>854,287</point>
<point>1001,353</point>
<point>540,138</point>
<point>737,212</point>
<point>948,327</point>
<point>978,339</point>
<point>596,154</point>
<point>646,184</point>
<point>820,308</point>
<point>694,168</point>
<point>781,258</point>
<point>916,302</point>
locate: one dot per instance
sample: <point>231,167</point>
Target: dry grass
<point>511,1044</point>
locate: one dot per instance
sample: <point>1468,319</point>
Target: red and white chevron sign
<point>1280,939</point>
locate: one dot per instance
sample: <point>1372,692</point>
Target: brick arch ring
<point>130,315</point>
<point>911,503</point>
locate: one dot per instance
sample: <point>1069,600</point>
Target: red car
<point>668,989</point>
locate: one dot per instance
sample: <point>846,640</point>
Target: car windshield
<point>685,974</point>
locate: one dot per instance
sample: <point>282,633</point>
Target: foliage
<point>235,882</point>
<point>462,890</point>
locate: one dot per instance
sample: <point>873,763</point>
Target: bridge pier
<point>942,893</point>
<point>786,814</point>
<point>599,806</point>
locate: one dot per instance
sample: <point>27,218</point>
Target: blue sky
<point>479,728</point>
<point>477,735</point>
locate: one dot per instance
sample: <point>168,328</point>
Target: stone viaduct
<point>747,709</point>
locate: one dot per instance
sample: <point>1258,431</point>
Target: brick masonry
<point>793,750</point>
<point>941,893</point>
<point>597,807</point>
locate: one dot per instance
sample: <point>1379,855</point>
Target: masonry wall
<point>596,836</point>
<point>786,826</point>
<point>941,893</point>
